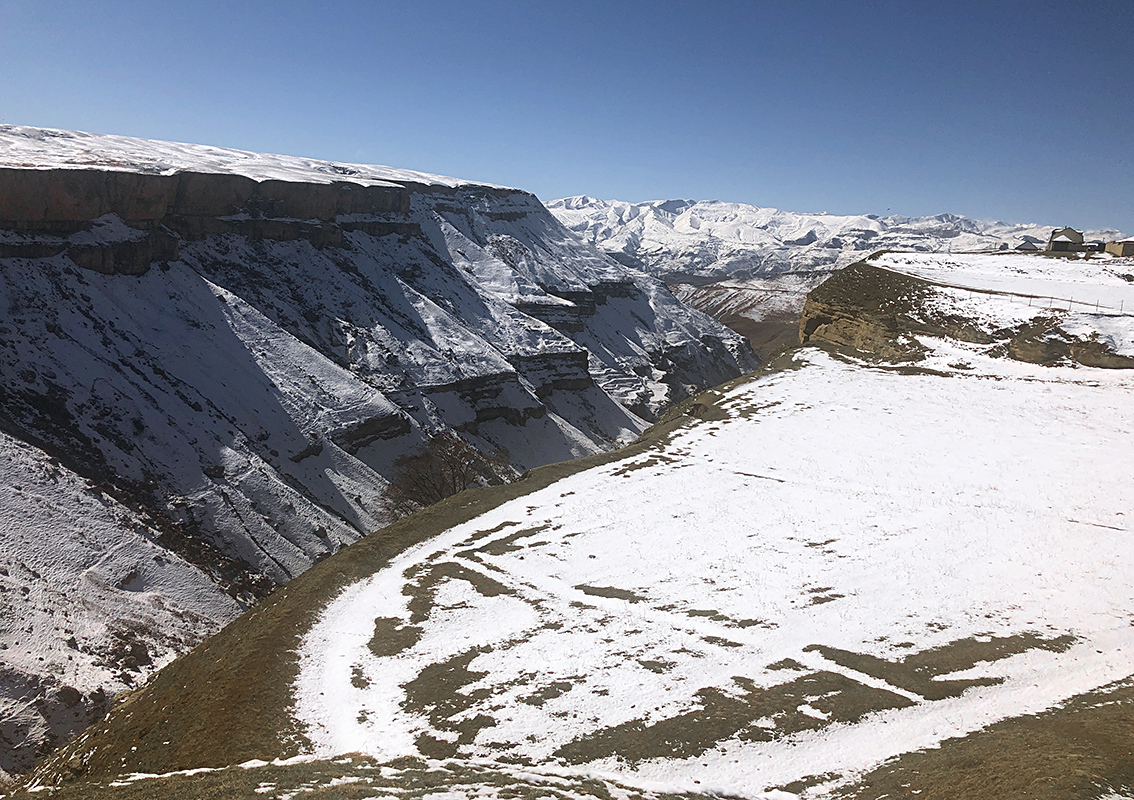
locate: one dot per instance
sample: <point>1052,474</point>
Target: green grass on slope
<point>355,776</point>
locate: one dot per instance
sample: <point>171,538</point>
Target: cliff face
<point>232,349</point>
<point>867,309</point>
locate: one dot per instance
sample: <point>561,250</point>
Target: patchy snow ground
<point>287,779</point>
<point>1091,298</point>
<point>854,564</point>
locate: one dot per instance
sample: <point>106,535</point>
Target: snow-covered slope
<point>853,564</point>
<point>234,348</point>
<point>26,147</point>
<point>90,602</point>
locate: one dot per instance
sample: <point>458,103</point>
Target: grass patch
<point>1079,750</point>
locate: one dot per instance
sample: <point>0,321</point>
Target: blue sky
<point>1020,111</point>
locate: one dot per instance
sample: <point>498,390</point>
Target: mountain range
<point>688,241</point>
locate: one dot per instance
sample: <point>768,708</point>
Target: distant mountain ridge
<point>688,240</point>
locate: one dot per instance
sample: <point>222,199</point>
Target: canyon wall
<point>227,352</point>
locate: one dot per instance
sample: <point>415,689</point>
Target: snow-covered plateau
<point>210,359</point>
<point>838,562</point>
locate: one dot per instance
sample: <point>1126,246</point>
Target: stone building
<point>1065,240</point>
<point>1124,247</point>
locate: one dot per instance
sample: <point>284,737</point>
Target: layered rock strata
<point>233,349</point>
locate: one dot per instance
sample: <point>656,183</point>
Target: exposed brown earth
<point>768,336</point>
<point>355,776</point>
<point>1080,751</point>
<point>867,309</point>
<point>60,202</point>
<point>720,716</point>
<point>1084,749</point>
<point>45,197</point>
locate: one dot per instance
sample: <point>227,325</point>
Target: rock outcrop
<point>865,308</point>
<point>881,313</point>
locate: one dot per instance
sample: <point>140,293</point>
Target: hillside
<point>897,557</point>
<point>210,360</point>
<point>751,267</point>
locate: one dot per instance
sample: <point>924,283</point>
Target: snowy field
<point>852,563</point>
<point>1070,283</point>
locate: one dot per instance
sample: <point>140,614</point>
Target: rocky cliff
<point>227,351</point>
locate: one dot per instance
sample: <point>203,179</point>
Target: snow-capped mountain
<point>210,359</point>
<point>684,240</point>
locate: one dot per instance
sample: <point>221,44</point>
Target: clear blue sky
<point>1021,111</point>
